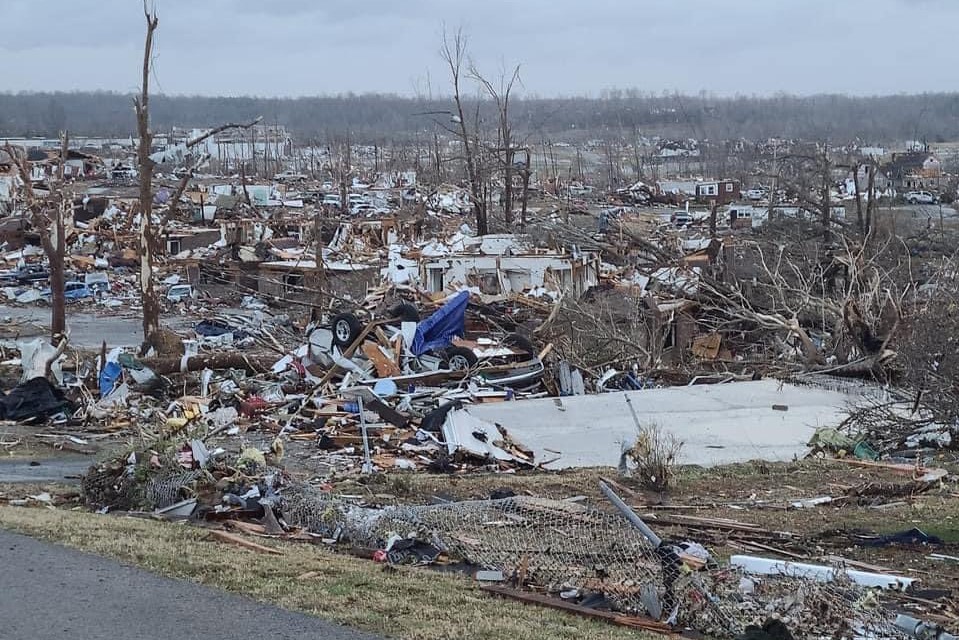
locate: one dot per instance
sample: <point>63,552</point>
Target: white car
<point>755,194</point>
<point>920,197</point>
<point>97,281</point>
<point>289,175</point>
<point>180,293</point>
<point>362,209</point>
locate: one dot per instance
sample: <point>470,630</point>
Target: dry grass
<point>417,604</point>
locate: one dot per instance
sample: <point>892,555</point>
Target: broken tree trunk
<point>54,246</point>
<point>148,296</point>
<point>217,361</point>
<point>525,200</point>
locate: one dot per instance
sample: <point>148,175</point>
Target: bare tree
<point>808,174</point>
<point>340,167</point>
<point>454,53</point>
<point>846,304</point>
<point>505,151</point>
<point>864,218</point>
<point>190,162</point>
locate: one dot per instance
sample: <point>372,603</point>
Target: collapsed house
<point>502,265</point>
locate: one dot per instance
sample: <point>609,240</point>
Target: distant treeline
<point>618,114</point>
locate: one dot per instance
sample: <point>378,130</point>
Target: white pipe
<point>821,573</point>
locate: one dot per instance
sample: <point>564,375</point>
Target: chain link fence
<point>563,547</point>
<point>568,548</point>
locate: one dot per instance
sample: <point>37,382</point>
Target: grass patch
<point>416,604</point>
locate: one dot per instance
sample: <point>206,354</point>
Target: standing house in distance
<point>718,192</point>
<point>498,265</point>
<point>746,216</point>
<point>709,192</point>
<point>913,170</point>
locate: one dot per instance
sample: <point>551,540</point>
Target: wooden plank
<point>753,545</point>
<point>381,336</point>
<point>386,412</point>
<point>397,347</point>
<point>546,351</point>
<point>224,536</point>
<point>626,491</point>
<point>717,523</point>
<point>247,527</point>
<point>634,622</point>
<point>385,367</point>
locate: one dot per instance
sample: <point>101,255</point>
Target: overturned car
<point>404,348</point>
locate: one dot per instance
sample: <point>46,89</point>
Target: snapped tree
<point>454,53</point>
<point>147,163</point>
<point>47,217</point>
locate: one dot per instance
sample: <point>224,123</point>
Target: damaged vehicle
<point>440,342</point>
<point>72,291</point>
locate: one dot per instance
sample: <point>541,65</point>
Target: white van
<point>97,282</point>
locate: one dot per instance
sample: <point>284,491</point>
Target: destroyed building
<point>501,265</point>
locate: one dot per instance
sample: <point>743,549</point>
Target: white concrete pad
<point>718,424</point>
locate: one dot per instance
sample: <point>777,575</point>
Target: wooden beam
<point>634,622</point>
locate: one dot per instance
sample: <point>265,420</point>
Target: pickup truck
<point>26,275</point>
<point>289,175</point>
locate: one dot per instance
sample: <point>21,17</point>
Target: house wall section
<point>190,241</point>
<point>509,274</point>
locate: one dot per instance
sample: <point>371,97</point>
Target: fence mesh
<point>122,488</point>
<point>566,547</point>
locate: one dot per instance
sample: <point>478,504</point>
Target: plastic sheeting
<point>35,399</point>
<point>437,331</point>
<point>109,377</point>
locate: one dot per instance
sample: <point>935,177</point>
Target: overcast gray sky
<point>310,47</point>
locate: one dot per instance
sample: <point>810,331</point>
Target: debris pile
<point>578,554</point>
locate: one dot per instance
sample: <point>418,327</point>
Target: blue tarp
<point>439,329</point>
<point>108,378</point>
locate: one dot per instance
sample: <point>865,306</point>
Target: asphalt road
<point>63,470</point>
<point>86,329</point>
<point>55,593</point>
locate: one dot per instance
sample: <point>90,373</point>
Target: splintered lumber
<point>385,367</point>
<point>711,523</point>
<point>634,622</point>
<point>546,351</point>
<point>350,350</point>
<point>225,536</point>
<point>248,527</point>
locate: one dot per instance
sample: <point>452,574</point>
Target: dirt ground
<point>757,493</point>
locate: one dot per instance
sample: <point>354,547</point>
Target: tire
<point>518,341</point>
<point>460,358</point>
<point>405,312</point>
<point>346,329</point>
